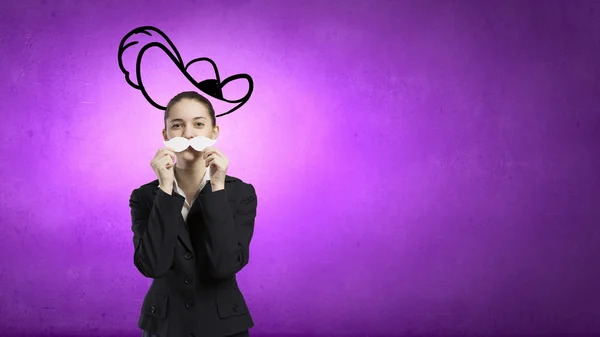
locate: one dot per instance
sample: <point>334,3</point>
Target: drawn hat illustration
<point>147,37</point>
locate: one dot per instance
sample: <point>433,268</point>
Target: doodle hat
<point>212,87</point>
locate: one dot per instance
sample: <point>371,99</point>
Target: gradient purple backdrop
<point>421,166</point>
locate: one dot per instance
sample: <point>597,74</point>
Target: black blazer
<point>193,265</point>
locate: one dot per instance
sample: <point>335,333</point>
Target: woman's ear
<point>215,132</point>
<point>164,133</point>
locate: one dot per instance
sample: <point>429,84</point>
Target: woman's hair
<point>193,96</point>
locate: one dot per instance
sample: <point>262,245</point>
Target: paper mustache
<point>198,143</point>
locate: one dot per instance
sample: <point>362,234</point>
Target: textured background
<point>422,167</point>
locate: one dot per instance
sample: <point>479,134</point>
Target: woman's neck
<point>189,175</point>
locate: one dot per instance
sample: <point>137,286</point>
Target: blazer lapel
<point>196,207</point>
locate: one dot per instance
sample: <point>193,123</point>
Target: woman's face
<point>188,119</point>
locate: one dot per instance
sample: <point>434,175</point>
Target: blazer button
<point>188,255</point>
<point>236,307</point>
<point>153,309</point>
<point>188,280</point>
<point>189,304</point>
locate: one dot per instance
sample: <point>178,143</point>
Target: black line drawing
<point>212,87</point>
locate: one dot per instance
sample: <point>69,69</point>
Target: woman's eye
<point>177,125</point>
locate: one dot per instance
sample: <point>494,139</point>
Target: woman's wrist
<point>217,186</point>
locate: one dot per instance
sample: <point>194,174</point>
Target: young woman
<point>192,228</point>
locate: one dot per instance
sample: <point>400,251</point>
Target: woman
<point>192,228</point>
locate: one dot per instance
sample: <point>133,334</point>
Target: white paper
<point>197,143</point>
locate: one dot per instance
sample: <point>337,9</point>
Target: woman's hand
<point>218,163</point>
<point>162,164</point>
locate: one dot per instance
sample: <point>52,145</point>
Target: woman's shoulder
<point>148,185</point>
<point>145,189</point>
<point>239,186</point>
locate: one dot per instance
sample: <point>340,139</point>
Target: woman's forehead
<point>188,109</point>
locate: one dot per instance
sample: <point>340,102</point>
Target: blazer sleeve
<point>155,232</point>
<point>228,233</point>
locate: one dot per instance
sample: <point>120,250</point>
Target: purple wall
<point>421,167</point>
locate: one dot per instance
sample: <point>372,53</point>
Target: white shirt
<point>186,206</point>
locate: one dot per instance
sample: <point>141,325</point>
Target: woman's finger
<point>215,161</point>
<point>169,151</point>
<point>209,160</point>
<point>212,157</point>
<point>163,151</point>
<point>166,160</point>
<point>219,152</point>
<point>207,152</point>
<point>211,150</point>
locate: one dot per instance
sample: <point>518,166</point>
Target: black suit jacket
<point>193,265</point>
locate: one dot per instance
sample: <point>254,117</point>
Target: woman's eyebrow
<point>181,120</point>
